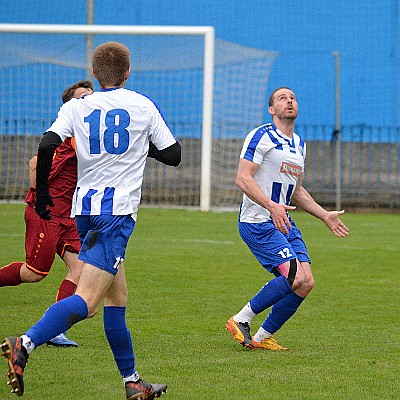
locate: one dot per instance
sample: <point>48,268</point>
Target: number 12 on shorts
<point>285,253</point>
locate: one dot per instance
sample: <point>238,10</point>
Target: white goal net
<point>219,96</point>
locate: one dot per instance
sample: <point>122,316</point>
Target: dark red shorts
<point>45,239</point>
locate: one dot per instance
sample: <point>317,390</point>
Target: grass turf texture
<point>188,272</point>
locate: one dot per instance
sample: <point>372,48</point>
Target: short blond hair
<point>110,62</point>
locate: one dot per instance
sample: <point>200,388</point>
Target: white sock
<point>131,378</point>
<point>245,315</point>
<point>261,335</point>
<point>27,343</point>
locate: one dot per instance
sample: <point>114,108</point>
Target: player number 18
<point>116,136</point>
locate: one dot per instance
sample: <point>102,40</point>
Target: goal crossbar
<point>107,29</point>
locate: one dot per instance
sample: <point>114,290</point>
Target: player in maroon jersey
<point>46,238</point>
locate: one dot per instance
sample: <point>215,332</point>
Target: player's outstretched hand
<point>334,223</point>
<point>43,199</point>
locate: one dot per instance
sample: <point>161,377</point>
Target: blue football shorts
<point>104,239</point>
<point>270,246</point>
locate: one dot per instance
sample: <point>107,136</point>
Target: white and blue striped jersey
<point>112,130</point>
<point>281,162</point>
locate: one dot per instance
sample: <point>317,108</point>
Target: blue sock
<point>119,338</point>
<point>271,293</point>
<point>281,312</point>
<point>57,319</point>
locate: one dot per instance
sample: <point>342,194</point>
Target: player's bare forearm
<point>32,171</point>
<point>306,202</point>
<point>331,218</point>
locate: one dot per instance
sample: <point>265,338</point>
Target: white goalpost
<point>211,92</point>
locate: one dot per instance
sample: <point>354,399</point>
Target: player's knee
<point>35,278</point>
<point>308,283</point>
<point>303,283</point>
<point>28,276</point>
<point>92,310</point>
<point>293,277</point>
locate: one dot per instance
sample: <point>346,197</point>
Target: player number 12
<point>285,253</point>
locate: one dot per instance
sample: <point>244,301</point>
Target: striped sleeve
<point>257,143</point>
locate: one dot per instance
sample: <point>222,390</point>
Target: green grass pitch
<point>188,272</point>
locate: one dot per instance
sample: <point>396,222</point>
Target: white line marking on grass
<point>208,241</point>
<point>349,247</point>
